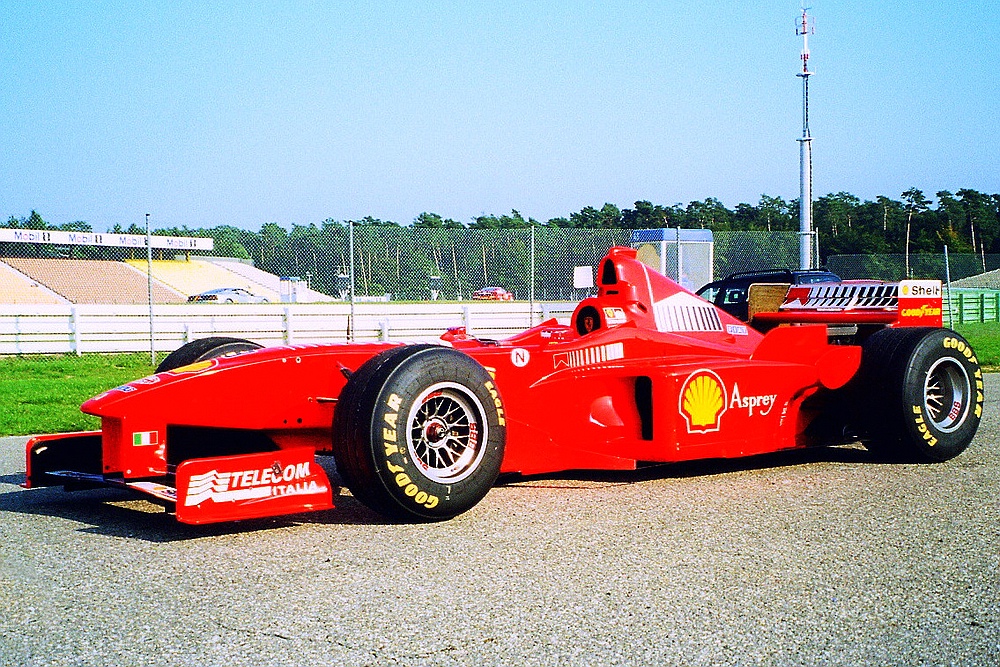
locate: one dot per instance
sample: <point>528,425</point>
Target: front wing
<point>206,490</point>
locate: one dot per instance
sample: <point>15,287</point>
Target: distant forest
<point>966,221</point>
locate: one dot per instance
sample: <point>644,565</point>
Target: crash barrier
<point>972,305</point>
<point>79,329</point>
<point>59,329</point>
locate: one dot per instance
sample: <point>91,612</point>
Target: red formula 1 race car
<point>645,372</point>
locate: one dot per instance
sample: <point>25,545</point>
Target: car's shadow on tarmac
<point>703,467</point>
<point>116,513</point>
<point>119,513</point>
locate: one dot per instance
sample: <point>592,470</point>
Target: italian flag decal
<point>143,438</point>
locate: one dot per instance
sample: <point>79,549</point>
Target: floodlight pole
<point>531,286</point>
<point>805,151</point>
<point>149,293</point>
<point>350,249</point>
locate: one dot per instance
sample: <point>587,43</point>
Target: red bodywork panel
<point>645,372</point>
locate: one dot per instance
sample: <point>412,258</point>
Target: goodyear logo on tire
<point>390,437</point>
<point>703,401</point>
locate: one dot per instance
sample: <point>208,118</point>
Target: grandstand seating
<point>270,281</point>
<point>92,281</point>
<point>54,281</point>
<point>16,287</point>
<point>194,277</point>
<point>988,280</point>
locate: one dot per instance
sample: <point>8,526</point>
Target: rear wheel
<point>919,393</point>
<point>204,349</point>
<point>418,433</point>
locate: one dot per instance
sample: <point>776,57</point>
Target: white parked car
<point>227,295</point>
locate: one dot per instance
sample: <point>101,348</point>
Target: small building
<point>685,255</point>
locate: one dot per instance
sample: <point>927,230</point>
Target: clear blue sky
<point>206,113</point>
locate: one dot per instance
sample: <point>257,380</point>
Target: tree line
<point>967,221</point>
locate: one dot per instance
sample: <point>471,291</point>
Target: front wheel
<point>919,393</point>
<point>204,349</point>
<point>419,433</point>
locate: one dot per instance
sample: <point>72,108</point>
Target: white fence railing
<point>82,328</point>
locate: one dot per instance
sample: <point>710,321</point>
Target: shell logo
<point>703,401</point>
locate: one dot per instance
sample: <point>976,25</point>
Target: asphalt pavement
<point>821,557</point>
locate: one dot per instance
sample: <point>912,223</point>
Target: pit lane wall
<point>79,329</point>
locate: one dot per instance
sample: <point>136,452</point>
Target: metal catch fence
<point>922,266</point>
<point>391,263</point>
<point>417,264</point>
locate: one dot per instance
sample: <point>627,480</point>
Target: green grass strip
<point>43,393</point>
<point>985,340</point>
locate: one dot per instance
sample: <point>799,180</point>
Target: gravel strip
<point>802,558</point>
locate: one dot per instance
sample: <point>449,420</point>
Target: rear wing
<point>910,303</point>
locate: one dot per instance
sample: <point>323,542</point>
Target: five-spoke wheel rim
<point>446,433</point>
<point>947,393</point>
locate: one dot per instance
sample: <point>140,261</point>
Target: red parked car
<point>645,372</point>
<point>492,294</point>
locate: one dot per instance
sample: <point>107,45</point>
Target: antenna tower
<point>805,26</point>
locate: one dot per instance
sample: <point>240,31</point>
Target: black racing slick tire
<point>204,349</point>
<point>419,433</point>
<point>919,394</point>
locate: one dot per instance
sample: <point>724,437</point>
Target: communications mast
<point>805,27</point>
